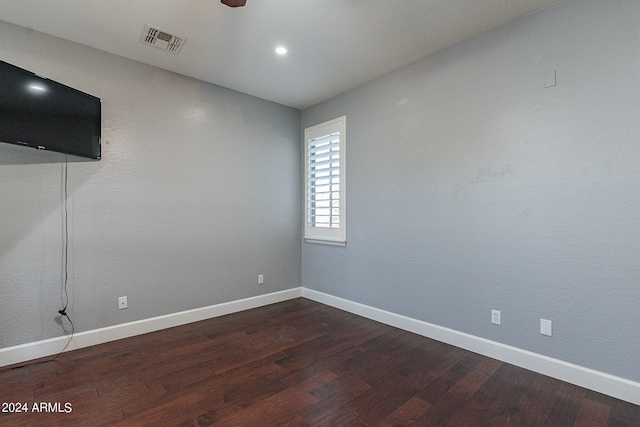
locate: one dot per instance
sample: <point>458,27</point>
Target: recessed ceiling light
<point>281,50</point>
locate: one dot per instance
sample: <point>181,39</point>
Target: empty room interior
<point>478,228</point>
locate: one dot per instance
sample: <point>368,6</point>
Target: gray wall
<point>472,187</point>
<point>196,194</point>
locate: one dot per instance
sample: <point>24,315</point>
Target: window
<point>325,211</point>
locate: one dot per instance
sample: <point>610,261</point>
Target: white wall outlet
<point>496,317</point>
<point>545,327</point>
<point>122,303</point>
<point>260,279</point>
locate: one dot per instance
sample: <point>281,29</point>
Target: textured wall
<point>472,187</point>
<point>197,192</point>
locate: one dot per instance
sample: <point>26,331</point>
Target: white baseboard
<point>601,382</point>
<point>44,348</point>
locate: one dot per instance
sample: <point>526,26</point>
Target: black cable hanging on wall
<point>65,255</point>
<point>65,267</point>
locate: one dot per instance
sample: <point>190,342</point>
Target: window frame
<point>326,235</point>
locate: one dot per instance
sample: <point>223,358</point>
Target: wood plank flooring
<point>296,363</point>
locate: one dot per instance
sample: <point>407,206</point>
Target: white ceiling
<point>334,45</point>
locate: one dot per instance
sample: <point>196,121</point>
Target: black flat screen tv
<point>43,114</point>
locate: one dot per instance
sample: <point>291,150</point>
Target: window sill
<point>325,241</point>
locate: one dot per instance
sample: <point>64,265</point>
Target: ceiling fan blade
<point>234,3</point>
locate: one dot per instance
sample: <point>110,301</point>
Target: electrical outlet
<point>122,303</point>
<point>545,327</point>
<point>496,317</point>
<point>260,279</point>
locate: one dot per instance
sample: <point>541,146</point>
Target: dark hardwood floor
<point>295,363</point>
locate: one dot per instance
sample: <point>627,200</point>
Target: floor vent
<point>156,37</point>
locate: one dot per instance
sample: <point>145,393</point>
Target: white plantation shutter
<point>325,183</point>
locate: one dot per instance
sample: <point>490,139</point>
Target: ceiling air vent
<point>161,39</point>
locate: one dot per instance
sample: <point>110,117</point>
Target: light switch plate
<point>549,79</point>
<point>545,327</point>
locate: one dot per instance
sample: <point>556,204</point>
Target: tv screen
<point>46,115</point>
